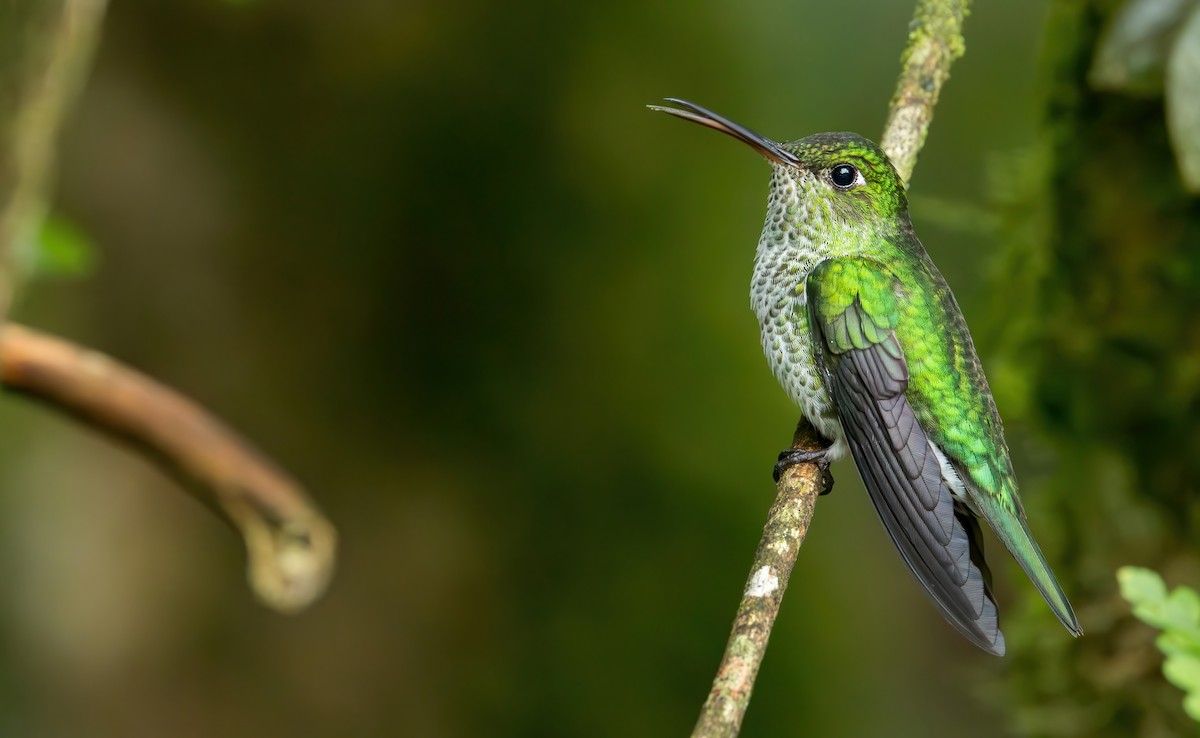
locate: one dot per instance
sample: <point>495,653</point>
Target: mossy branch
<point>934,42</point>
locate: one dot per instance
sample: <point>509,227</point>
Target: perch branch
<point>934,42</point>
<point>290,544</point>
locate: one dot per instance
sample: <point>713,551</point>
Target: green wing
<point>854,313</point>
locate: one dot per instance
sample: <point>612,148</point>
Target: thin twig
<point>934,43</point>
<point>290,544</point>
<point>53,45</point>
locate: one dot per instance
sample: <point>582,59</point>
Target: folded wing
<point>852,308</point>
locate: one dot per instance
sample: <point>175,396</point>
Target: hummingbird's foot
<point>793,456</point>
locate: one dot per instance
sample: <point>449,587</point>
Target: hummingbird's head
<point>841,173</point>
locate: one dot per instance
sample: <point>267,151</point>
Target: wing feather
<point>937,537</point>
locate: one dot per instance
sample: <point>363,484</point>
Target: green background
<point>439,260</point>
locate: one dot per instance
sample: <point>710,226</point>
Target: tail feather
<point>1013,531</point>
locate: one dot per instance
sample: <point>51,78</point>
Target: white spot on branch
<point>762,583</point>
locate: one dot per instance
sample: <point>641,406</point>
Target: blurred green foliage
<point>1132,52</point>
<point>439,260</point>
<point>1104,345</point>
<point>1182,100</point>
<point>1152,48</point>
<point>61,249</point>
<point>1177,614</point>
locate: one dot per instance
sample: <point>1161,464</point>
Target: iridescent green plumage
<point>864,334</point>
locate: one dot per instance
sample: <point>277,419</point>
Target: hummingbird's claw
<point>793,456</point>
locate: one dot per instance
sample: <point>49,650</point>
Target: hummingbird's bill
<point>705,117</point>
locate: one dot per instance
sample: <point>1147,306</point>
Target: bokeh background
<point>439,260</point>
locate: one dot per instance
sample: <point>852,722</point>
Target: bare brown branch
<point>934,43</point>
<point>48,45</point>
<point>290,544</point>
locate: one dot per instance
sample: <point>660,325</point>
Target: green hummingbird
<point>865,336</point>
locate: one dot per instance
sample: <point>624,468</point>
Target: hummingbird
<point>864,334</point>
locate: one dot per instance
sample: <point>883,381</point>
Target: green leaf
<point>1183,610</point>
<point>1183,670</point>
<point>1191,705</point>
<point>1186,602</point>
<point>1178,641</point>
<point>1145,591</point>
<point>1183,101</point>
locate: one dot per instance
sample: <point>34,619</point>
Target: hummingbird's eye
<point>843,176</point>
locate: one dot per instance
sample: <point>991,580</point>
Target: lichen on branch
<point>935,42</point>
